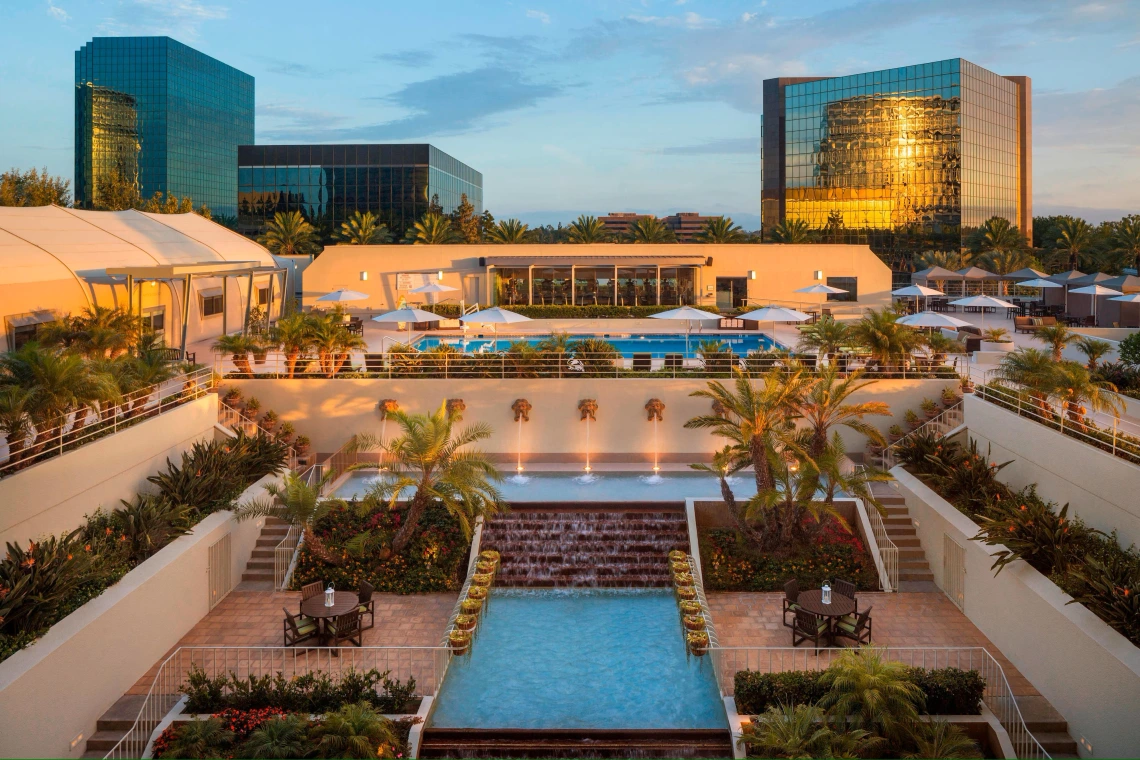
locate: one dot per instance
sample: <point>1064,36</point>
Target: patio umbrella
<point>1028,273</point>
<point>820,290</point>
<point>494,316</point>
<point>687,314</point>
<point>917,291</point>
<point>1130,298</point>
<point>408,315</point>
<point>1066,279</point>
<point>343,295</point>
<point>1123,282</point>
<point>984,302</point>
<point>775,314</point>
<point>1039,283</point>
<point>931,319</point>
<point>1094,291</point>
<point>433,287</point>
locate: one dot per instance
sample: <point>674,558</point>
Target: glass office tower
<point>327,183</point>
<point>162,115</point>
<point>905,160</point>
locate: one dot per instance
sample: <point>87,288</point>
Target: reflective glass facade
<point>160,114</point>
<point>903,159</point>
<point>595,285</point>
<point>327,183</point>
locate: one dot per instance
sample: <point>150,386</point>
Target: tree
<point>363,229</point>
<point>1125,241</point>
<point>1031,368</point>
<point>433,229</point>
<point>239,347</point>
<point>1074,388</point>
<point>790,231</point>
<point>289,234</point>
<point>58,384</point>
<point>889,342</point>
<point>435,208</point>
<point>486,224</point>
<point>838,478</point>
<point>1074,241</point>
<point>871,692</point>
<point>726,463</point>
<point>951,260</point>
<point>171,204</point>
<point>33,188</point>
<point>333,342</point>
<point>587,229</point>
<point>508,232</point>
<point>788,510</point>
<point>997,234</point>
<point>293,335</point>
<point>825,337</point>
<point>1094,349</point>
<point>827,404</point>
<point>297,503</point>
<point>649,229</point>
<point>16,418</point>
<point>115,191</point>
<point>433,458</point>
<point>721,229</point>
<point>355,731</point>
<point>1057,337</point>
<point>465,222</point>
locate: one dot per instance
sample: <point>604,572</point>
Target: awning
<point>179,271</point>
<point>31,318</point>
<point>209,292</point>
<point>597,260</point>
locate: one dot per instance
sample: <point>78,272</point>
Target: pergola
<point>187,272</point>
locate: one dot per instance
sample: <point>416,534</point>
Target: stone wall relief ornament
<point>386,407</point>
<point>455,406</point>
<point>588,408</point>
<point>521,408</point>
<point>655,407</point>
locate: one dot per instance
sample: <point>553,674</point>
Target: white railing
<point>238,422</point>
<point>939,425</point>
<point>284,557</point>
<point>887,551</point>
<point>79,428</point>
<point>425,664</point>
<point>998,695</point>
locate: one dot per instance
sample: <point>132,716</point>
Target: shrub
<point>309,693</point>
<point>1130,350</point>
<point>213,474</point>
<point>950,691</point>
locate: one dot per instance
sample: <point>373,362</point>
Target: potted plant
<point>677,555</point>
<point>301,445</point>
<point>481,580</point>
<point>698,642</point>
<point>949,397</point>
<point>929,408</point>
<point>679,567</point>
<point>489,555</point>
<point>485,566</point>
<point>895,433</point>
<point>285,434</point>
<point>997,339</point>
<point>694,622</point>
<point>690,607</point>
<point>682,579</point>
<point>477,592</point>
<point>471,606</point>
<point>465,622</point>
<point>232,397</point>
<point>686,593</point>
<point>252,406</point>
<point>269,421</point>
<point>260,351</point>
<point>460,641</point>
<point>912,420</point>
<point>967,385</point>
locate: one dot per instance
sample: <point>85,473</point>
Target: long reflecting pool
<point>580,658</point>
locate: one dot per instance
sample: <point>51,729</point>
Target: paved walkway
<point>907,619</point>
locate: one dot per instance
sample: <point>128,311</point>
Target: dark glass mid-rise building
<point>327,183</point>
<point>904,160</point>
<point>162,115</point>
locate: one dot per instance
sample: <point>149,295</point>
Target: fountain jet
<point>654,407</point>
<point>521,408</point>
<point>588,409</point>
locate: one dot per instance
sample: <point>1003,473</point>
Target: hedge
<point>948,691</point>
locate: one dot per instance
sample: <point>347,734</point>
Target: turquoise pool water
<point>627,345</point>
<point>599,486</point>
<point>580,658</point>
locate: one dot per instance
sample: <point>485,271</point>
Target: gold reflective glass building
<point>904,160</point>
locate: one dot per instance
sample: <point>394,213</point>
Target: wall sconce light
<point>818,274</point>
<point>752,274</point>
<point>439,275</point>
<point>363,276</point>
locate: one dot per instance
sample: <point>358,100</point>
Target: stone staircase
<point>611,545</point>
<point>913,567</point>
<point>114,725</point>
<point>1047,726</point>
<point>259,569</point>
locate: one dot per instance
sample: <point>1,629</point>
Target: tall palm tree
<point>946,259</point>
<point>294,336</point>
<point>587,229</point>
<point>827,404</point>
<point>871,692</point>
<point>1032,369</point>
<point>789,508</point>
<point>433,229</point>
<point>297,503</point>
<point>1094,349</point>
<point>889,342</point>
<point>290,234</point>
<point>1126,241</point>
<point>998,234</point>
<point>825,337</point>
<point>333,342</point>
<point>725,463</point>
<point>836,476</point>
<point>363,229</point>
<point>1075,238</point>
<point>508,232</point>
<point>433,457</point>
<point>354,731</point>
<point>1057,337</point>
<point>721,229</point>
<point>790,231</point>
<point>649,229</point>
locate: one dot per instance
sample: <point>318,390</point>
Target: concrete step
<point>914,564</point>
<point>906,541</point>
<point>258,577</point>
<point>1056,741</point>
<point>263,553</point>
<point>913,576</point>
<point>892,520</point>
<point>104,740</point>
<point>121,716</point>
<point>896,510</point>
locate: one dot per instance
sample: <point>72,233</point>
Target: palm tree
<point>890,343</point>
<point>721,229</point>
<point>871,692</point>
<point>792,731</point>
<point>997,234</point>
<point>289,234</point>
<point>1073,387</point>
<point>354,731</point>
<point>430,457</point>
<point>57,384</point>
<point>15,419</point>
<point>587,229</point>
<point>297,503</point>
<point>1093,348</point>
<point>1057,337</point>
<point>827,404</point>
<point>946,259</point>
<point>200,739</point>
<point>788,509</point>
<point>1126,241</point>
<point>508,232</point>
<point>825,337</point>
<point>239,347</point>
<point>940,740</point>
<point>293,334</point>
<point>726,463</point>
<point>363,229</point>
<point>1074,241</point>
<point>836,476</point>
<point>333,342</point>
<point>433,229</point>
<point>649,229</point>
<point>1030,368</point>
<point>280,737</point>
<point>755,419</point>
<point>790,231</point>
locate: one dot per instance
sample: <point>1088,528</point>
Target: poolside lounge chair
<point>855,627</point>
<point>642,362</point>
<point>809,627</point>
<point>298,629</point>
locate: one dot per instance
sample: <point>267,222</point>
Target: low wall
<point>1098,487</point>
<point>94,655</point>
<point>330,411</point>
<point>53,496</point>
<point>1088,671</point>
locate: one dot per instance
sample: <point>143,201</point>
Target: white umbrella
<point>820,290</point>
<point>931,319</point>
<point>1039,283</point>
<point>433,287</point>
<point>917,291</point>
<point>1094,291</point>
<point>688,315</point>
<point>984,302</point>
<point>775,314</point>
<point>343,295</point>
<point>407,315</point>
<point>494,316</point>
<point>1130,298</point>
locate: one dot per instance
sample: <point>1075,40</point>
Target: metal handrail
<point>998,695</point>
<point>97,421</point>
<point>283,557</point>
<point>940,425</point>
<point>887,549</point>
<point>237,421</point>
<point>426,664</point>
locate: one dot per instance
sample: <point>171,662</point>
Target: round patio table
<point>314,607</point>
<point>812,601</point>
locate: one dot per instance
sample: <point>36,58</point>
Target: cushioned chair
<point>847,589</point>
<point>855,627</point>
<point>298,629</point>
<point>345,627</point>
<point>367,604</point>
<point>642,362</point>
<point>809,627</point>
<point>674,361</point>
<point>791,601</point>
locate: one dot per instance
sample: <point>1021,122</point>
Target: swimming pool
<point>627,345</point>
<point>580,658</point>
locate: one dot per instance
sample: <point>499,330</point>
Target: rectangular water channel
<point>580,658</point>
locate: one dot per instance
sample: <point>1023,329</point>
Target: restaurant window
<point>511,286</point>
<point>850,284</point>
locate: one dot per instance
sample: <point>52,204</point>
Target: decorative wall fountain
<point>588,410</point>
<point>521,408</point>
<point>386,407</point>
<point>654,407</point>
<point>456,407</point>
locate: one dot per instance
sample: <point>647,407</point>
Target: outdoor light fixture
<point>818,274</point>
<point>364,275</point>
<point>439,275</point>
<point>825,593</point>
<point>330,596</point>
<point>752,274</point>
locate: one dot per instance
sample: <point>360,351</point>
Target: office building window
<point>212,305</point>
<point>850,284</point>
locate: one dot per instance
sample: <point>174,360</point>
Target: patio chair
<point>642,362</point>
<point>791,601</point>
<point>847,589</point>
<point>1088,321</point>
<point>809,627</point>
<point>855,627</point>
<point>367,604</point>
<point>374,362</point>
<point>345,627</point>
<point>298,629</point>
<point>309,590</point>
<point>674,361</point>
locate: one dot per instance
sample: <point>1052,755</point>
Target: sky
<point>584,106</point>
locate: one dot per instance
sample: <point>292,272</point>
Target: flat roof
<point>621,259</point>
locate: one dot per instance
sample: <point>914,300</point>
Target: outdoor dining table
<point>314,607</point>
<point>812,601</point>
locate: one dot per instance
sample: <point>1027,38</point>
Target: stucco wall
<point>1088,671</point>
<point>54,496</point>
<point>1100,488</point>
<point>59,687</point>
<point>330,411</point>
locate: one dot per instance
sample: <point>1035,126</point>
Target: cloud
<point>175,18</point>
<point>412,59</point>
<point>538,16</point>
<point>1100,120</point>
<point>59,14</point>
<point>294,68</point>
<point>287,116</point>
<point>723,146</point>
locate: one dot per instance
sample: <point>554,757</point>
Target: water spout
<point>587,444</point>
<point>518,466</point>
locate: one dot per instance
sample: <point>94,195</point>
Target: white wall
<point>53,496</point>
<point>94,655</point>
<point>1099,488</point>
<point>1088,671</point>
